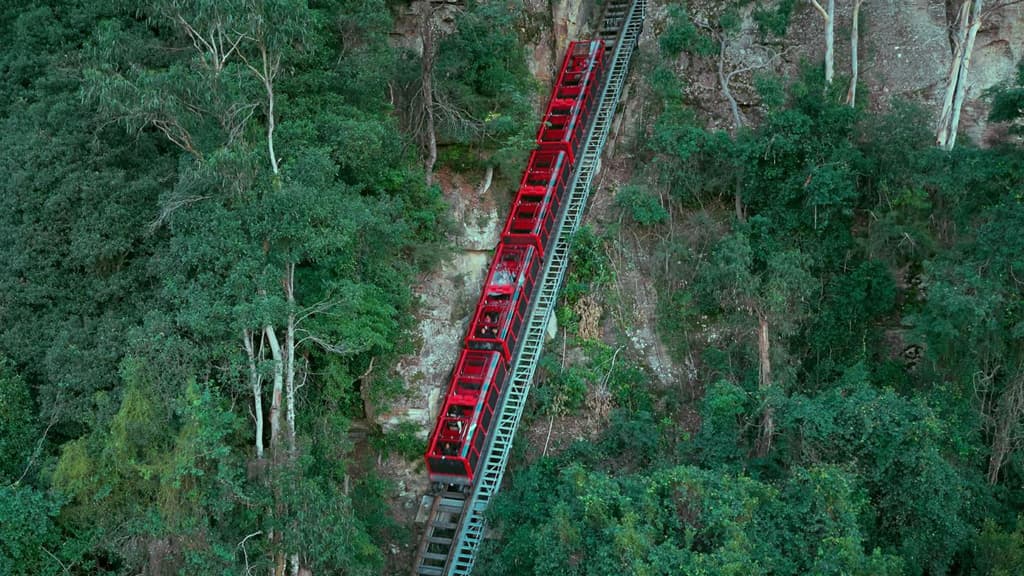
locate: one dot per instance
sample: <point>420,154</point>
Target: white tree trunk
<point>851,94</point>
<point>275,402</point>
<point>953,80</point>
<point>828,15</point>
<point>289,345</point>
<point>961,86</point>
<point>256,382</point>
<point>767,431</point>
<point>763,354</point>
<point>269,71</point>
<point>830,41</point>
<point>428,92</point>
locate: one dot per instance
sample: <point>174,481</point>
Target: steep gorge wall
<point>448,296</point>
<point>905,53</point>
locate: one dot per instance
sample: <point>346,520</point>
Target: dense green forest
<point>211,224</point>
<point>214,215</point>
<point>850,298</point>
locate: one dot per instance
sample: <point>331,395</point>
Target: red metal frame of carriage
<point>477,384</point>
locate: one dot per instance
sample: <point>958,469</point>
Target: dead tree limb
<point>851,94</point>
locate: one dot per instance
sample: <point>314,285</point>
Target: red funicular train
<point>475,392</point>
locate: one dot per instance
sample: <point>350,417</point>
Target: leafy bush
<point>403,440</point>
<point>774,20</point>
<point>681,35</point>
<point>643,207</point>
<point>589,265</point>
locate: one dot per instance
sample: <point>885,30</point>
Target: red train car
<point>502,308</point>
<point>569,109</point>
<point>535,210</point>
<point>475,391</point>
<point>461,431</point>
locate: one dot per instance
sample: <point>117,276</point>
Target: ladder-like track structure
<point>455,527</point>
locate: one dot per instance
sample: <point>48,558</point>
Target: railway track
<point>455,526</point>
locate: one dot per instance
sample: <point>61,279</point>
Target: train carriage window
<point>466,386</point>
<point>485,420</point>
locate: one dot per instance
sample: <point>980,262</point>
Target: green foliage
<point>370,503</point>
<point>999,553</point>
<point>920,501</point>
<point>972,319</point>
<point>482,82</point>
<point>460,157</point>
<point>147,228</point>
<point>403,440</point>
<point>738,280</point>
<point>775,19</point>
<point>666,86</point>
<point>643,207</point>
<point>857,242</point>
<point>590,268</point>
<point>722,410</point>
<point>1008,101</point>
<point>820,508</point>
<point>771,91</point>
<point>564,389</point>
<point>601,372</point>
<point>19,428</point>
<point>573,519</point>
<point>848,317</point>
<point>29,540</point>
<point>682,36</point>
<point>324,524</point>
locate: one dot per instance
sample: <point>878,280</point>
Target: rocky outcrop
<point>905,53</point>
<point>447,297</point>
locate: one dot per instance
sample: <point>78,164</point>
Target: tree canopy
<point>216,212</point>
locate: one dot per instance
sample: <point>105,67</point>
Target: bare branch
<point>997,6</point>
<point>200,43</point>
<point>330,347</point>
<point>723,79</point>
<point>320,307</point>
<point>820,9</point>
<point>368,370</point>
<point>39,449</point>
<point>65,569</point>
<point>245,553</point>
<point>171,207</point>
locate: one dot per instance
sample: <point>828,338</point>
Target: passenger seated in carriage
<point>502,276</point>
<point>488,327</point>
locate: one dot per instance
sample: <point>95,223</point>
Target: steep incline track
<point>456,525</point>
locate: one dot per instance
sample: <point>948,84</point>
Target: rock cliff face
<point>905,53</point>
<point>448,296</point>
